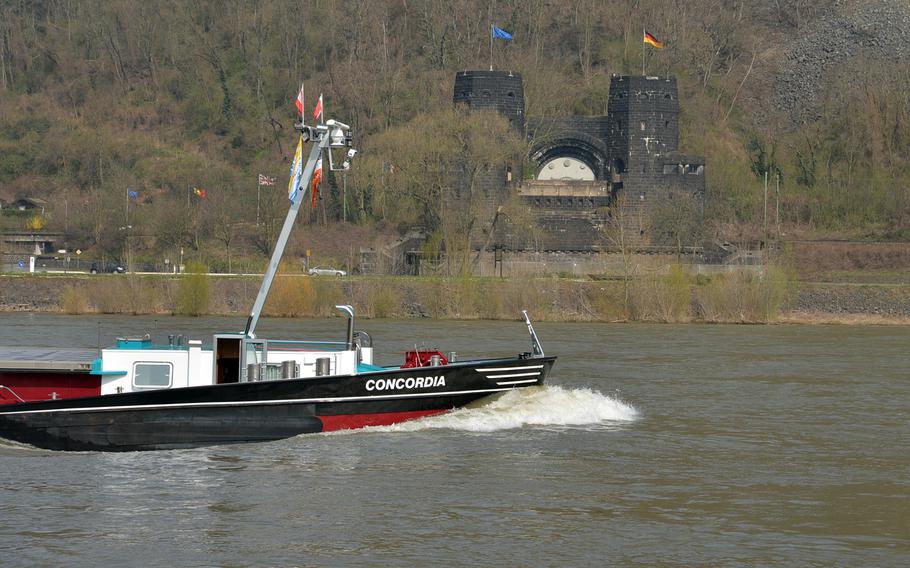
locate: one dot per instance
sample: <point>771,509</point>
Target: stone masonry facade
<point>585,167</point>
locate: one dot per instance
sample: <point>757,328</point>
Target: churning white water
<point>543,406</point>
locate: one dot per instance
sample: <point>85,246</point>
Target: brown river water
<point>652,445</point>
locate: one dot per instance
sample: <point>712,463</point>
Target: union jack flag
<point>266,180</point>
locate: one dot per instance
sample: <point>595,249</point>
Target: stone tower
<point>643,117</point>
<point>502,91</point>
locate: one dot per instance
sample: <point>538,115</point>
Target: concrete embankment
<point>456,298</point>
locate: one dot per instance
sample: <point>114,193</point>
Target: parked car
<point>109,267</point>
<point>322,271</point>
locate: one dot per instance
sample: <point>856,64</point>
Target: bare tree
<point>677,220</point>
<point>621,237</point>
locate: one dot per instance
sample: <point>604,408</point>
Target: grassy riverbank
<point>672,297</point>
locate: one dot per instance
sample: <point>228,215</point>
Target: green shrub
<point>745,297</point>
<point>467,297</point>
<point>664,298</point>
<point>386,302</point>
<point>291,296</point>
<point>193,290</point>
<point>74,300</point>
<point>110,295</point>
<point>606,302</point>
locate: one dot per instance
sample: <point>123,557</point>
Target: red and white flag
<point>317,179</point>
<point>299,102</point>
<point>317,112</point>
<point>266,180</point>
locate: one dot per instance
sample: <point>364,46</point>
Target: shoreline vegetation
<point>676,296</point>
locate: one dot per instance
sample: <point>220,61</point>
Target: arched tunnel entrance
<point>577,157</point>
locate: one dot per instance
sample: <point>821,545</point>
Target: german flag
<point>648,38</point>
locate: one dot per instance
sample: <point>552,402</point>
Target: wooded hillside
<point>159,97</point>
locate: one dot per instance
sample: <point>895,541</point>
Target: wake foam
<point>548,406</point>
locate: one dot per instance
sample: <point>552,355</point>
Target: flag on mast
<point>317,179</point>
<point>266,180</point>
<point>499,33</point>
<point>299,102</point>
<point>317,112</point>
<point>296,171</point>
<point>651,40</point>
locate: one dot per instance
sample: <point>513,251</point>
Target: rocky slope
<point>876,30</point>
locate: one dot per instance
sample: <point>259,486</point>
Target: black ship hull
<point>262,411</point>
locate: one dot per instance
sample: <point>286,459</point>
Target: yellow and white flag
<point>296,171</point>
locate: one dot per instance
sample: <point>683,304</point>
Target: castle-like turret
<point>643,117</point>
<point>501,91</point>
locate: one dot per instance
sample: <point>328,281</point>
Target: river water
<point>653,444</point>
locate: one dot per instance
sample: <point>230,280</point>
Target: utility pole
<point>765,218</point>
<point>777,206</point>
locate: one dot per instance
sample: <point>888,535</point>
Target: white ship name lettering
<point>406,383</point>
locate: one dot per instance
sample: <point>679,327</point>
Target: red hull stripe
<point>352,421</point>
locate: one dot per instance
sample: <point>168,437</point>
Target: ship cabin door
<point>227,358</point>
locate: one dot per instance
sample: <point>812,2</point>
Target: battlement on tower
<point>502,91</point>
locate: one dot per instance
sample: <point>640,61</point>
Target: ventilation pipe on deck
<point>349,311</point>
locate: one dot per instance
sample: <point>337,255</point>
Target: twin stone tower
<point>586,168</point>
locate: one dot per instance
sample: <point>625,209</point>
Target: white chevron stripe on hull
<point>500,369</point>
<point>506,383</point>
<point>513,375</point>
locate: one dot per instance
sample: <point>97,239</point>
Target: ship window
<point>511,93</point>
<point>152,375</point>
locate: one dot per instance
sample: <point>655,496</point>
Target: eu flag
<point>501,34</point>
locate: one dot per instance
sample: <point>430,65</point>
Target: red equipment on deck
<point>423,358</point>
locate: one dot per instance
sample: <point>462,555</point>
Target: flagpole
<point>643,52</point>
<point>258,187</point>
<point>491,46</point>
